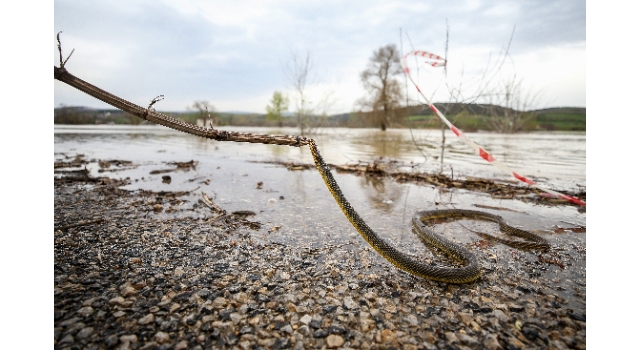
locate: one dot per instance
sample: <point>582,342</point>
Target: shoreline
<point>140,278</point>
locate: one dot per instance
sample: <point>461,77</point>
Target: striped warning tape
<point>437,61</point>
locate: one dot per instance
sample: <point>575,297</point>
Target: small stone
<point>467,340</point>
<point>451,337</point>
<point>387,335</point>
<point>88,302</point>
<point>219,301</point>
<point>149,346</point>
<point>127,290</point>
<point>235,318</point>
<point>111,341</point>
<point>174,307</point>
<point>146,319</point>
<point>178,272</point>
<point>500,315</point>
<point>67,339</point>
<point>328,309</point>
<point>304,330</point>
<point>465,318</point>
<point>491,342</point>
<point>321,333</point>
<point>118,314</point>
<point>412,319</point>
<point>85,311</point>
<point>315,324</point>
<point>255,320</point>
<point>161,337</point>
<point>128,339</point>
<point>287,329</point>
<point>241,297</point>
<point>515,342</point>
<point>349,303</point>
<point>157,207</point>
<point>305,319</point>
<point>291,307</point>
<point>182,345</point>
<point>515,308</point>
<point>334,341</point>
<point>117,301</point>
<point>69,322</point>
<point>391,309</point>
<point>282,343</point>
<point>84,333</point>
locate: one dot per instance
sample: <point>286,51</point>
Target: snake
<point>471,270</point>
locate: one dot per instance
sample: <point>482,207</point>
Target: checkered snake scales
<point>468,273</point>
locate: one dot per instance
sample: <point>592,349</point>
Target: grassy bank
<point>465,117</point>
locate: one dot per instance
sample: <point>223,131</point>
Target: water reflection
<point>382,195</point>
<point>557,159</point>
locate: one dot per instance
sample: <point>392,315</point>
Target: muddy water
<point>558,159</point>
<point>305,214</point>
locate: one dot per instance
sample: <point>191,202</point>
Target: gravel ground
<point>135,279</point>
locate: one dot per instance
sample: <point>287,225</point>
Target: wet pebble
<point>334,341</point>
<point>176,284</point>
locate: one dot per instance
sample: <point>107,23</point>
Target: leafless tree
<point>205,111</point>
<point>298,72</point>
<point>379,79</point>
<point>507,111</point>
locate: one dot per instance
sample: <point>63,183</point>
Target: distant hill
<point>567,110</point>
<point>468,117</point>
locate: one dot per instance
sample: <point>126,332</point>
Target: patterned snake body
<point>468,273</point>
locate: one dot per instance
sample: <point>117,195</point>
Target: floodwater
<point>554,158</point>
<point>304,212</point>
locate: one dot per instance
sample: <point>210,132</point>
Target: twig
<point>84,223</point>
<point>209,203</point>
<point>209,115</point>
<point>551,261</point>
<point>62,63</point>
<point>154,101</point>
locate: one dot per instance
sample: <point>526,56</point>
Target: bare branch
<point>154,101</point>
<point>62,63</point>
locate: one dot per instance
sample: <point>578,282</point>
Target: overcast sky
<point>233,53</point>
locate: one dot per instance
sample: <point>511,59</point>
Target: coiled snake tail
<point>468,273</point>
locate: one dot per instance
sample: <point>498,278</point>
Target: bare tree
<point>298,71</point>
<point>205,111</point>
<point>508,106</point>
<point>379,79</point>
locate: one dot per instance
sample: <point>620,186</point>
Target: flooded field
<point>299,211</point>
<point>557,159</point>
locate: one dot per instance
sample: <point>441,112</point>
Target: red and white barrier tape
<point>437,61</point>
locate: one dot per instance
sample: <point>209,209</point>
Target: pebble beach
<point>127,277</point>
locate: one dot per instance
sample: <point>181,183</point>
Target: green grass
<point>562,121</point>
<point>470,122</point>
